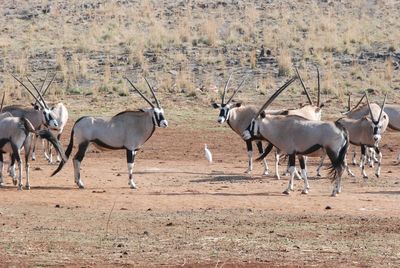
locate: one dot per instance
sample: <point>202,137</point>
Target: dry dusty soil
<point>187,212</point>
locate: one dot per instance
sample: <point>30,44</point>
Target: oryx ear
<point>216,105</point>
<point>238,104</point>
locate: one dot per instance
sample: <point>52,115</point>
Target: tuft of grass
<point>284,63</point>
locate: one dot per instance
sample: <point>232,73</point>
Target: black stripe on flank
<point>311,149</point>
<point>102,144</point>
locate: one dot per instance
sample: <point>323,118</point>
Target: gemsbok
<point>295,135</point>
<point>127,130</point>
<point>238,117</point>
<point>367,131</point>
<point>15,133</point>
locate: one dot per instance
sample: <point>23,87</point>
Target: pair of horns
<point>40,100</point>
<point>234,92</point>
<point>305,89</point>
<point>143,96</point>
<point>276,94</point>
<point>370,111</point>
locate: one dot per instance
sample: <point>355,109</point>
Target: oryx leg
<point>371,156</point>
<point>349,172</point>
<point>77,163</point>
<point>321,163</point>
<point>362,164</point>
<point>58,155</point>
<point>130,157</point>
<point>302,161</point>
<point>292,160</point>
<point>261,150</point>
<point>27,147</point>
<point>297,175</point>
<point>378,166</point>
<point>249,146</point>
<point>1,170</point>
<point>353,159</point>
<point>17,156</point>
<point>35,138</point>
<point>11,169</point>
<point>47,151</point>
<point>277,156</point>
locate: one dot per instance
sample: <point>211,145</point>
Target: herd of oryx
<point>292,132</point>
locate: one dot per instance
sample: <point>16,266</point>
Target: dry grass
<point>212,37</point>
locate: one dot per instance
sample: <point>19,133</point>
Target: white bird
<point>207,153</point>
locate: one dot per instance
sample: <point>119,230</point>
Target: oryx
<point>392,111</point>
<point>367,131</point>
<point>59,113</point>
<point>15,132</point>
<point>38,117</point>
<point>238,117</point>
<point>127,130</point>
<point>295,135</point>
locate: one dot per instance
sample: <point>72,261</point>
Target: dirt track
<point>187,211</point>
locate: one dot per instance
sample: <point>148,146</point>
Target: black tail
<point>46,134</point>
<point>337,167</point>
<point>67,153</point>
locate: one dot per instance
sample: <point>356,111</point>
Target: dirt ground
<point>187,212</point>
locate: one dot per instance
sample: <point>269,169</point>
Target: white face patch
<point>223,115</point>
<point>50,119</point>
<point>158,113</point>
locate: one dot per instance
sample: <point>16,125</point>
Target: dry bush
<point>208,32</point>
<point>284,63</point>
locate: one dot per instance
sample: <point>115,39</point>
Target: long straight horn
<point>44,81</point>
<point>140,93</point>
<point>152,92</point>
<point>359,102</point>
<point>237,90</point>
<point>33,95</point>
<point>273,97</point>
<point>225,88</point>
<point>2,102</point>
<point>38,92</point>
<point>349,102</point>
<point>383,107</point>
<point>48,85</point>
<point>304,87</point>
<point>369,106</point>
<point>319,88</point>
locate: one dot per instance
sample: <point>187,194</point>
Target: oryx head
<point>377,124</point>
<point>224,108</point>
<point>158,112</point>
<point>49,119</point>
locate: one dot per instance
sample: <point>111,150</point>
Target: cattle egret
<point>207,153</point>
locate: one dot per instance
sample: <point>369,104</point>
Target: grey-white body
<point>296,135</point>
<point>127,130</point>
